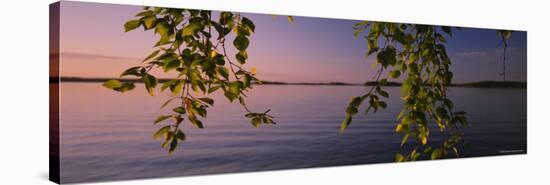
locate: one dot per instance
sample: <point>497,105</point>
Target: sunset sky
<point>93,44</point>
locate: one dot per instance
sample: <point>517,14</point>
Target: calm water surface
<point>106,135</point>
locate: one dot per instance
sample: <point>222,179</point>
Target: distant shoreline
<point>485,84</point>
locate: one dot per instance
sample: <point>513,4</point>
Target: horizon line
<point>481,83</point>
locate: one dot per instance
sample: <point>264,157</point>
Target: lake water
<point>106,135</point>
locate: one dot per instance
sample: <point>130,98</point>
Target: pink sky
<point>93,44</point>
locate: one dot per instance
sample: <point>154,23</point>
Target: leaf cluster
<point>192,45</point>
<point>416,54</point>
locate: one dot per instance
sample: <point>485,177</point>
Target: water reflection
<point>106,135</point>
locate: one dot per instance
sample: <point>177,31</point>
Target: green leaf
<point>150,83</point>
<point>207,100</point>
<point>167,137</point>
<point>355,101</point>
<point>382,104</point>
<point>179,119</point>
<point>415,156</point>
<point>162,118</point>
<point>395,74</point>
<point>248,23</point>
<point>166,103</point>
<point>246,80</point>
<point>406,87</point>
<point>149,21</point>
<point>386,57</point>
<point>230,96</point>
<point>235,87</point>
<point>176,89</point>
<point>290,19</point>
<point>463,121</point>
<point>428,150</point>
<point>505,33</point>
<point>399,157</point>
<point>399,36</point>
<point>436,154</point>
<point>111,84</point>
<point>441,112</point>
<point>223,72</point>
<point>268,120</point>
<point>150,56</point>
<point>196,122</point>
<point>118,86</point>
<point>255,122</point>
<point>164,39</point>
<point>241,42</point>
<point>356,32</point>
<point>448,103</point>
<point>402,127</point>
<point>161,132</point>
<point>345,123</point>
<point>162,29</point>
<point>191,29</point>
<point>351,110</point>
<point>171,63</point>
<point>130,25</point>
<point>179,110</point>
<point>144,13</point>
<point>251,115</point>
<point>455,150</point>
<point>180,135</point>
<point>424,139</point>
<point>126,86</point>
<point>213,89</point>
<point>404,139</point>
<point>199,109</point>
<point>241,57</point>
<point>132,71</point>
<point>225,17</point>
<point>167,84</point>
<point>382,92</point>
<point>173,145</point>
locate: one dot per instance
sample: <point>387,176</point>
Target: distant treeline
<point>500,84</point>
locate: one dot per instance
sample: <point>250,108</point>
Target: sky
<point>93,44</point>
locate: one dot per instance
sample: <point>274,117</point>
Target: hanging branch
<point>504,36</point>
<point>201,67</point>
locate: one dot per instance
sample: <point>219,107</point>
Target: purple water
<point>106,135</point>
